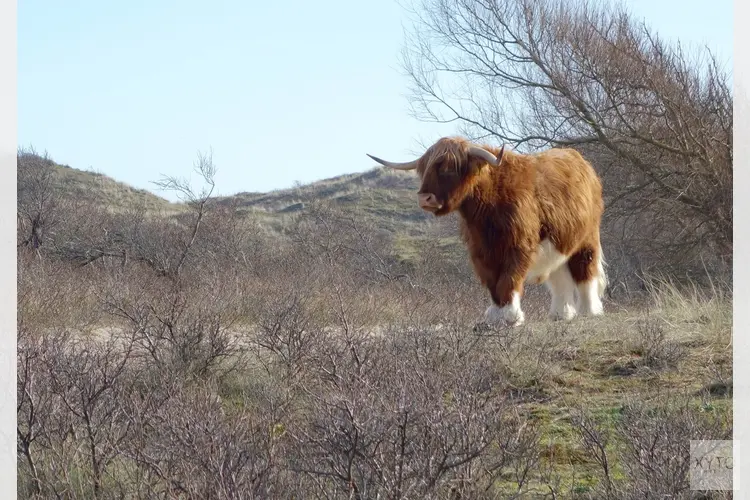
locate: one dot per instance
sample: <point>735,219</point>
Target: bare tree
<point>37,198</point>
<point>196,201</point>
<point>656,120</point>
<point>96,233</point>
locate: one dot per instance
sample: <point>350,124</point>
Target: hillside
<point>101,189</point>
<point>385,197</point>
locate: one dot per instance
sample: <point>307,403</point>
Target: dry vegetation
<point>218,363</point>
<point>330,351</point>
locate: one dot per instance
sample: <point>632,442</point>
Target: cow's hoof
<point>507,316</point>
<point>562,313</point>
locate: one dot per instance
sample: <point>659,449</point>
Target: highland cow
<point>525,218</point>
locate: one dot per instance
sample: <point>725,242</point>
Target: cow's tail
<point>601,275</point>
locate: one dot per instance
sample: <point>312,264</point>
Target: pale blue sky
<point>298,91</point>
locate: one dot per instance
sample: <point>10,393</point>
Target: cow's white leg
<point>589,302</point>
<point>590,292</point>
<point>510,314</point>
<point>562,287</point>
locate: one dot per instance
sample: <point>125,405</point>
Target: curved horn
<point>407,165</point>
<point>486,155</point>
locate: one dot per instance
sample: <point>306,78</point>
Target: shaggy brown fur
<point>507,210</point>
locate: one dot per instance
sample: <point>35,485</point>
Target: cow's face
<point>447,178</point>
<point>448,170</point>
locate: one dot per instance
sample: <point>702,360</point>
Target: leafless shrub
<point>718,380</point>
<point>527,357</point>
<point>290,331</point>
<point>657,444</point>
<point>654,449</point>
<point>54,296</point>
<point>87,378</point>
<point>653,345</point>
<point>36,410</point>
<point>93,234</point>
<point>191,447</point>
<point>595,439</point>
<point>176,326</point>
<point>197,203</point>
<point>406,416</point>
<point>229,238</point>
<point>337,238</point>
<point>69,409</point>
<point>91,239</point>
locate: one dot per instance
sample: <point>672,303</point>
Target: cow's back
<point>569,196</point>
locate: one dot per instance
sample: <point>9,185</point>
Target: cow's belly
<point>546,260</point>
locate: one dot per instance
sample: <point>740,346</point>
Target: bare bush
<point>290,330</point>
<point>655,348</point>
<point>176,326</point>
<point>407,416</point>
<point>70,414</point>
<point>334,237</point>
<point>657,449</point>
<point>189,446</point>
<point>654,450</point>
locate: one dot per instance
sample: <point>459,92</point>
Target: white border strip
<point>741,320</point>
<point>8,300</point>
